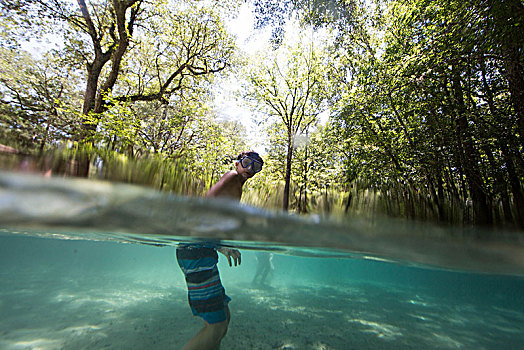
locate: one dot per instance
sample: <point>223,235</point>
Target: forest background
<point>425,100</point>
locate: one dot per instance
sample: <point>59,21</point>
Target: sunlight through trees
<point>425,97</point>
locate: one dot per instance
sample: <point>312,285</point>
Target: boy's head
<point>249,162</point>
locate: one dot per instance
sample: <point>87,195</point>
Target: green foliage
<point>426,101</point>
<point>32,95</point>
<point>178,48</point>
<point>287,87</point>
<point>422,114</point>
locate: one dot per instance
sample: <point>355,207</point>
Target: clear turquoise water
<point>91,266</point>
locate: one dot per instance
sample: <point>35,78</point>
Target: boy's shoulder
<point>229,185</point>
<point>231,178</point>
<point>231,174</point>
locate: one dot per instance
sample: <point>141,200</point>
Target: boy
<point>207,297</point>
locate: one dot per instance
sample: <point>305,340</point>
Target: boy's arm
<point>218,188</point>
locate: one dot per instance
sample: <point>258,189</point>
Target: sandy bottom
<point>43,311</point>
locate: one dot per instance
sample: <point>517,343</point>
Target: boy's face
<point>244,172</point>
<point>248,167</point>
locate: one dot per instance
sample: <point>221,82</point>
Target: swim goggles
<point>247,162</point>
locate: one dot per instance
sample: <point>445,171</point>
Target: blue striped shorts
<point>206,295</point>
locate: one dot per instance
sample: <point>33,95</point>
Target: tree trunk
<point>506,208</point>
<point>93,97</point>
<point>289,159</point>
<point>516,189</point>
<point>509,24</point>
<point>46,135</point>
<point>348,202</point>
<point>469,155</point>
<point>515,76</point>
<point>303,204</point>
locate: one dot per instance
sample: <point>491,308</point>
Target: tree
<point>288,86</point>
<point>182,44</point>
<point>506,20</point>
<point>317,13</point>
<point>32,96</point>
<point>214,148</point>
<point>423,110</point>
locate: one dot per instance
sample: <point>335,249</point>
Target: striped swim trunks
<point>206,295</point>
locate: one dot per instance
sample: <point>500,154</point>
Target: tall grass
<point>180,177</point>
<point>152,170</point>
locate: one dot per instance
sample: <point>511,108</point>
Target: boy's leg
<point>209,337</point>
<point>206,296</point>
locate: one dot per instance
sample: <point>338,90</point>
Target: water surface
<point>90,265</point>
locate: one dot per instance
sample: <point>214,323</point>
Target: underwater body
<point>91,265</point>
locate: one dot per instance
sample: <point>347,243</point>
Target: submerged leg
<point>209,337</point>
<point>206,295</point>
